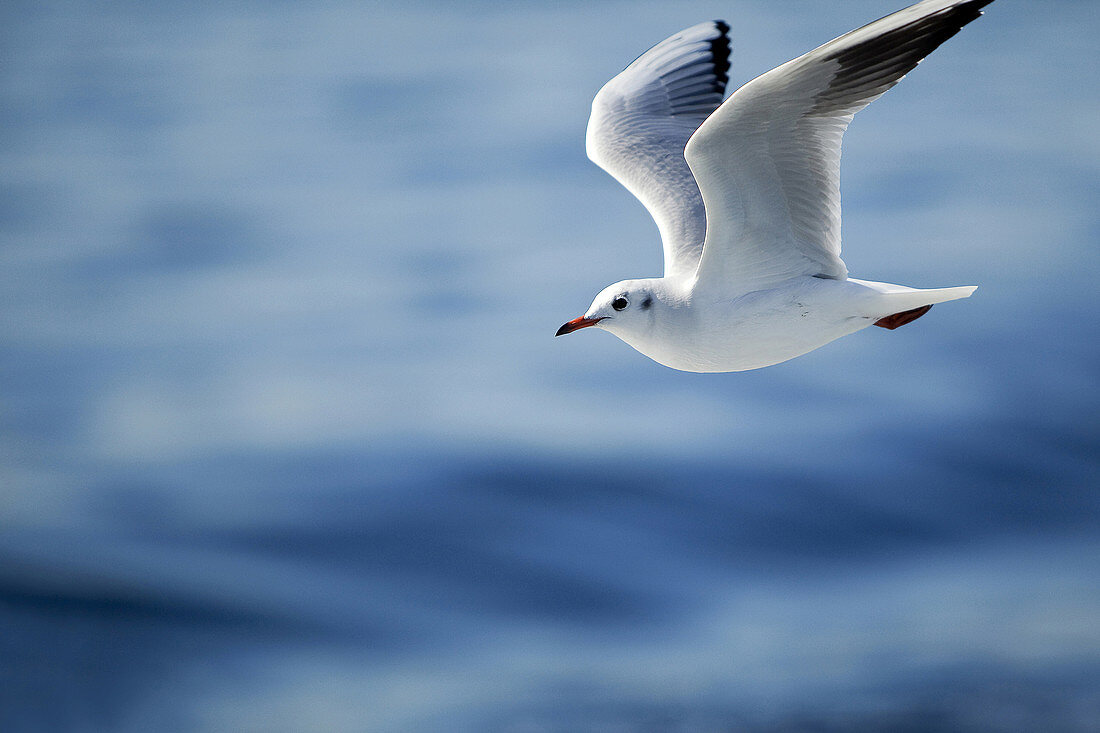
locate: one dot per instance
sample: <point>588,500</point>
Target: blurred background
<point>287,444</point>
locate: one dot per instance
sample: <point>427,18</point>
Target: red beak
<point>577,323</point>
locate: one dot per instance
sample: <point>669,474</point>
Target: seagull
<point>746,193</point>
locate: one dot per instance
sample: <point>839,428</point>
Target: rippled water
<point>286,442</point>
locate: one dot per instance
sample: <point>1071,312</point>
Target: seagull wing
<point>641,121</point>
<point>768,160</point>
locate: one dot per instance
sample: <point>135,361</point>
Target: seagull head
<point>623,308</point>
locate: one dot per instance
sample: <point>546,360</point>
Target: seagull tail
<point>941,295</point>
<point>900,305</point>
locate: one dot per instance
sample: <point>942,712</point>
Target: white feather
<point>767,161</point>
<point>641,121</point>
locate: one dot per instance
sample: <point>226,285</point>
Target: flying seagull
<point>746,193</point>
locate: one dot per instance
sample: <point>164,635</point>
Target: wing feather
<point>641,121</point>
<point>767,161</point>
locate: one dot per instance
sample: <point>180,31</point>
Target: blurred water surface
<point>286,442</point>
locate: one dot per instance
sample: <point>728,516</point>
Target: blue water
<point>287,444</point>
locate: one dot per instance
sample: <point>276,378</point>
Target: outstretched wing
<point>768,160</point>
<point>641,121</point>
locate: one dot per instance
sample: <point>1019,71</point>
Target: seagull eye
<point>619,303</point>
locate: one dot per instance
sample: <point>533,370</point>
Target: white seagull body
<point>746,193</point>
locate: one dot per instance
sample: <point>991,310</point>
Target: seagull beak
<point>576,323</point>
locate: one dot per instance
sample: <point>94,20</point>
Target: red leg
<point>900,319</point>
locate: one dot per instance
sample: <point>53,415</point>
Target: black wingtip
<point>720,53</point>
<point>874,65</point>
